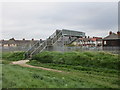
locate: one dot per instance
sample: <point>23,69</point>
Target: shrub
<point>89,59</point>
<point>13,56</point>
<point>5,62</point>
<point>44,57</point>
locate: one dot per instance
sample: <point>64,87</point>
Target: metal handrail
<point>32,47</point>
<point>72,39</point>
<point>27,53</point>
<point>45,44</point>
<point>37,47</point>
<point>57,37</point>
<point>37,50</point>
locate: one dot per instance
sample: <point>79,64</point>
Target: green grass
<point>87,59</point>
<point>13,56</point>
<point>21,77</point>
<point>0,76</point>
<point>86,70</point>
<point>101,71</point>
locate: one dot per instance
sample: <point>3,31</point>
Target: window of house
<point>105,42</point>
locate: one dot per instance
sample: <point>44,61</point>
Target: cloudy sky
<point>40,19</point>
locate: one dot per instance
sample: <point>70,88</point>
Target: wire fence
<point>13,49</point>
<point>64,49</point>
<point>115,50</point>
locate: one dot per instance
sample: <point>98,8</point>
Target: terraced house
<point>17,45</point>
<point>89,42</point>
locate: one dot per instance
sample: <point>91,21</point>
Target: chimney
<point>32,39</point>
<point>12,39</point>
<point>110,32</point>
<point>40,39</point>
<point>23,38</point>
<point>118,32</point>
<point>2,40</point>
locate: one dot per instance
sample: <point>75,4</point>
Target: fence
<point>64,49</point>
<point>115,50</point>
<point>12,49</point>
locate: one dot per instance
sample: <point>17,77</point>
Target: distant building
<point>89,42</point>
<point>14,43</point>
<point>97,41</point>
<point>112,41</point>
<point>17,45</point>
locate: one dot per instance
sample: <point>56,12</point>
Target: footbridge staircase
<point>64,36</point>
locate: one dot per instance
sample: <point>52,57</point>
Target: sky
<point>39,20</point>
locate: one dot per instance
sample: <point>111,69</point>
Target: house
<point>89,42</point>
<point>14,43</point>
<point>17,45</point>
<point>97,41</point>
<point>112,41</point>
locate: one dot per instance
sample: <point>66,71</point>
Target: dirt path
<point>23,63</point>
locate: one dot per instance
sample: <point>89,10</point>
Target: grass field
<point>87,59</point>
<point>20,77</point>
<point>13,56</point>
<point>80,75</point>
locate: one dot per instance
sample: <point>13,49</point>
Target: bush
<point>89,59</point>
<point>5,62</point>
<point>13,56</point>
<point>44,57</point>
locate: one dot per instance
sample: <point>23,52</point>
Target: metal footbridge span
<point>57,40</point>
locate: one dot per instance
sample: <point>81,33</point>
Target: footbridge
<point>59,38</point>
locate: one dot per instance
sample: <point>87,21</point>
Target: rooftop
<point>112,36</point>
